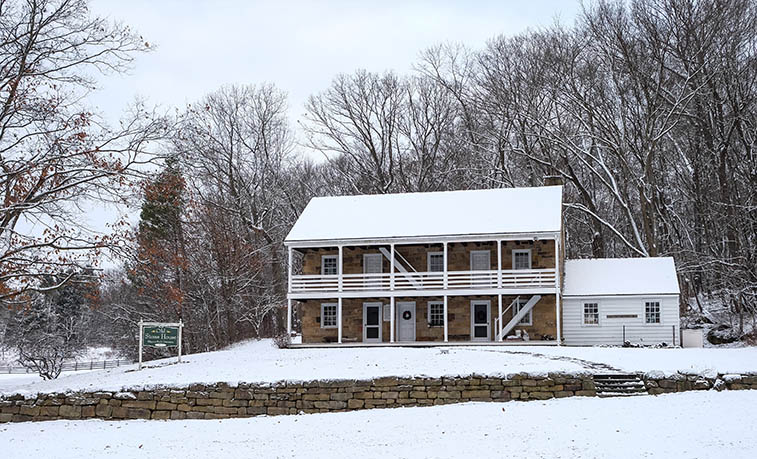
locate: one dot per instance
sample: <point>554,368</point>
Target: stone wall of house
<point>220,401</point>
<point>458,255</point>
<point>543,323</point>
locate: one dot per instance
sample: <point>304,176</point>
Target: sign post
<point>159,334</point>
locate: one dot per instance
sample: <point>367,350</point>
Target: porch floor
<point>424,344</point>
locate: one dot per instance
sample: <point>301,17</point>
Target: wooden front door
<point>406,321</point>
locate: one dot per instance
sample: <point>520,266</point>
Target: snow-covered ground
<point>689,424</point>
<point>259,361</point>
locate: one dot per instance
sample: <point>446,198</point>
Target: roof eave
<point>537,235</point>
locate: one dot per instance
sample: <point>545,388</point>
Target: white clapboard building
<point>617,300</point>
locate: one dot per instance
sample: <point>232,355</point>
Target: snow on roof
<point>443,213</point>
<point>620,276</point>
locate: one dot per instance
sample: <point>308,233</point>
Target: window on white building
<point>652,312</point>
<point>591,313</point>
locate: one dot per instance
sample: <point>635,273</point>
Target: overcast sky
<point>298,45</point>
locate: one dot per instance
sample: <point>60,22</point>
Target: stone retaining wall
<point>660,384</point>
<point>218,401</point>
<point>221,400</point>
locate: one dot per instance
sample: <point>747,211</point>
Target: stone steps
<point>619,385</point>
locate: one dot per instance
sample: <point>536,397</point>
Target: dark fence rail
<point>71,366</point>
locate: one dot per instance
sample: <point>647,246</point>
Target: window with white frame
<point>329,265</point>
<point>591,313</point>
<point>522,259</point>
<point>652,312</point>
<point>328,315</point>
<point>436,313</point>
<point>480,260</point>
<point>518,304</point>
<point>435,262</point>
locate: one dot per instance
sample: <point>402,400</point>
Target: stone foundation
<point>220,401</point>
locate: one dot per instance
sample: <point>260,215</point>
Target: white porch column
<point>499,268</point>
<point>289,270</point>
<point>499,316</point>
<point>391,271</point>
<point>446,328</point>
<point>289,316</point>
<point>445,288</point>
<point>339,268</point>
<point>289,289</point>
<point>339,320</point>
<point>557,291</point>
<point>391,319</point>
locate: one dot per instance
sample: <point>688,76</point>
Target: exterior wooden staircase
<point>516,318</point>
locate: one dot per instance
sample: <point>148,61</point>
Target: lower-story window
<point>652,312</point>
<point>527,319</point>
<point>591,313</point>
<point>436,313</point>
<point>328,315</point>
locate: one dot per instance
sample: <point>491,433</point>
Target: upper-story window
<point>480,260</point>
<point>435,262</point>
<point>522,259</point>
<point>329,265</point>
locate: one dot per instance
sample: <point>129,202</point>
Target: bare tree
<point>56,157</point>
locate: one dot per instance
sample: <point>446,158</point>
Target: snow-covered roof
<point>444,213</point>
<point>620,276</point>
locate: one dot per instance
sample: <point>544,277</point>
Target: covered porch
<point>430,320</point>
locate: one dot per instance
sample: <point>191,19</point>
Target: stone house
<point>456,266</point>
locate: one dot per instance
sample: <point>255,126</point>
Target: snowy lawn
<point>675,425</point>
<point>259,361</point>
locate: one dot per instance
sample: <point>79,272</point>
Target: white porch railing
<point>456,280</point>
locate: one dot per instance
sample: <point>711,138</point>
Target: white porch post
<point>339,304</point>
<point>391,288</point>
<point>499,286</point>
<point>289,289</point>
<point>339,268</point>
<point>391,267</point>
<point>446,328</point>
<point>339,322</point>
<point>289,316</point>
<point>445,288</point>
<point>499,265</point>
<point>557,291</point>
<point>499,317</point>
<point>391,319</point>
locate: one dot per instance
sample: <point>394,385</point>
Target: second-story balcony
<point>426,282</point>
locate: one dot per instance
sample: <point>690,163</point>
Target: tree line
<point>646,110</point>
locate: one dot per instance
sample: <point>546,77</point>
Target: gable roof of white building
<point>620,276</point>
<point>444,213</point>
